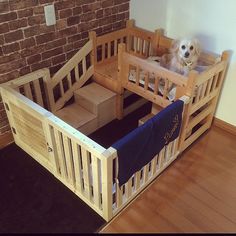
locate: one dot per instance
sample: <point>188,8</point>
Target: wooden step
<point>145,118</point>
<point>97,100</point>
<point>78,117</point>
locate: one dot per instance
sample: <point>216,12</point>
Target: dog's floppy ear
<point>197,46</point>
<point>175,46</point>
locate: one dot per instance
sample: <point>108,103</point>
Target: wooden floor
<point>197,193</point>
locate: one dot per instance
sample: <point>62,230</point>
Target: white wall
<point>212,21</point>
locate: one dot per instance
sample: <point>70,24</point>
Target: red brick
<point>88,16</point>
<point>52,53</point>
<point>108,12</point>
<point>61,24</point>
<point>10,48</point>
<point>5,129</point>
<point>1,40</point>
<point>118,2</point>
<point>82,2</point>
<point>3,114</point>
<point>19,4</point>
<point>91,7</point>
<point>4,28</point>
<point>24,70</point>
<point>8,58</point>
<point>38,29</point>
<point>25,13</point>
<point>123,7</point>
<point>107,3</point>
<point>68,47</point>
<point>77,11</point>
<point>5,68</point>
<point>73,20</point>
<point>8,17</point>
<point>54,69</point>
<point>99,13</point>
<point>56,43</point>
<point>33,59</point>
<point>64,4</point>
<point>38,10</point>
<point>58,59</point>
<point>4,7</point>
<point>27,43</point>
<point>13,36</point>
<point>32,50</point>
<point>16,24</point>
<point>40,65</point>
<point>74,38</point>
<point>43,38</point>
<point>45,1</point>
<point>65,13</point>
<point>36,20</point>
<point>67,32</point>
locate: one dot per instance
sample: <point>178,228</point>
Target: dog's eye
<point>183,47</point>
<point>191,48</point>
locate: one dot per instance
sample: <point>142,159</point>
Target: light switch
<point>50,16</point>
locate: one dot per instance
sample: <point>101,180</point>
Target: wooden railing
<point>150,81</point>
<point>70,77</point>
<point>140,42</point>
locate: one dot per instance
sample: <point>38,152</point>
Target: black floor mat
<point>32,200</point>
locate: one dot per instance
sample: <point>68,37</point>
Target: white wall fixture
<point>50,16</point>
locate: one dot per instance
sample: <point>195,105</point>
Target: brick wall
<point>27,44</point>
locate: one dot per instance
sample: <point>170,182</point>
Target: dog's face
<point>186,49</point>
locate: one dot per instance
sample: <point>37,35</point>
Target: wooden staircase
<point>93,107</point>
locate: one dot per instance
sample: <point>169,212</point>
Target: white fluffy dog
<point>183,56</point>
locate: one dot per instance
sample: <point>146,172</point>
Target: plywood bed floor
<point>196,193</point>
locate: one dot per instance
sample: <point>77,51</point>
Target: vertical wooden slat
<point>38,93</point>
<point>77,73</point>
<point>119,193</point>
<point>137,180</point>
<point>161,159</point>
<point>115,47</point>
<point>96,181</point>
<point>69,159</point>
<point>109,49</point>
<point>209,86</point>
<point>166,88</point>
<point>146,80</point>
<point>103,52</point>
<point>61,156</point>
<point>145,173</point>
<point>61,88</point>
<point>137,75</point>
<point>28,92</point>
<point>128,189</point>
<point>69,80</point>
<point>154,165</point>
<point>156,85</point>
<point>216,77</point>
<point>84,65</point>
<point>202,95</point>
<point>77,166</point>
<point>86,171</point>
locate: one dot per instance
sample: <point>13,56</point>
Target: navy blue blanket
<point>139,147</point>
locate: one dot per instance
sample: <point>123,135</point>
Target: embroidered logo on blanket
<point>169,134</point>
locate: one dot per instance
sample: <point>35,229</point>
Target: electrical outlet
<point>50,16</point>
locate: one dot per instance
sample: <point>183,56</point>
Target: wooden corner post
<point>93,37</point>
<point>186,115</point>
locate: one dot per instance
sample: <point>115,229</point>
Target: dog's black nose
<point>186,54</point>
